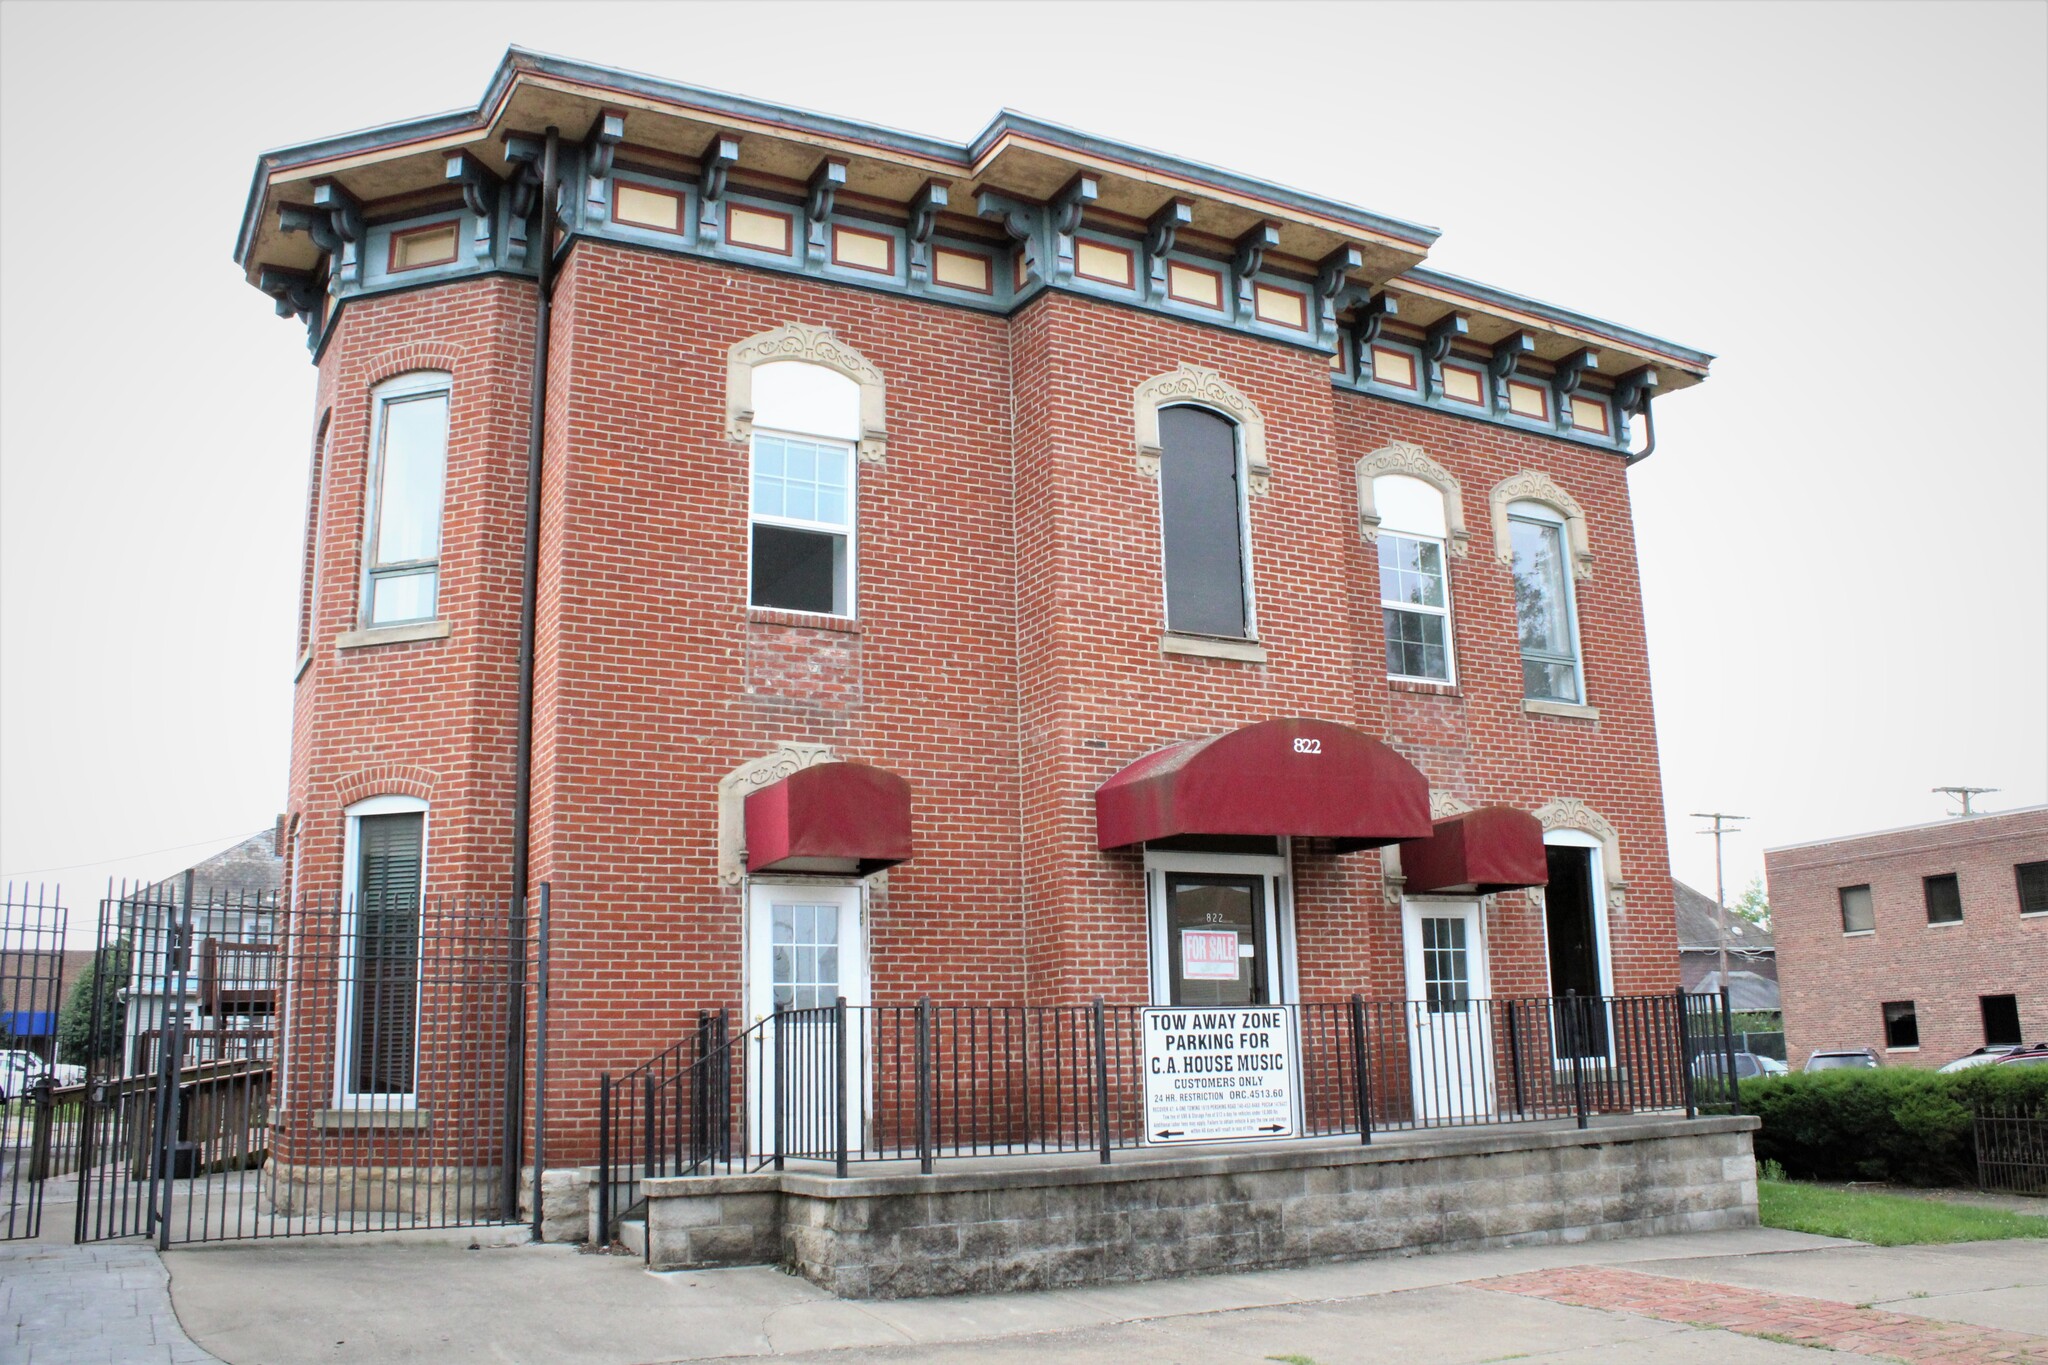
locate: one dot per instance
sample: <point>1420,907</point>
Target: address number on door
<point>1308,746</point>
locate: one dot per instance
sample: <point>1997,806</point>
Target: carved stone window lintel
<point>1400,457</point>
<point>816,346</point>
<point>1535,486</point>
<point>742,782</point>
<point>1569,812</point>
<point>1191,384</point>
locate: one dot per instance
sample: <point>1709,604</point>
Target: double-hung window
<point>1543,604</point>
<point>803,487</point>
<point>1415,584</point>
<point>408,468</point>
<point>1203,525</point>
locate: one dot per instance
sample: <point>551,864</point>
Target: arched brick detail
<point>413,355</point>
<point>386,779</point>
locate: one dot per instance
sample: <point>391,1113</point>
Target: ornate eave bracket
<point>1334,287</point>
<point>334,221</point>
<point>522,195</point>
<point>1534,486</point>
<point>1508,355</point>
<point>1069,210</point>
<point>1366,324</point>
<point>1436,348</point>
<point>600,150</point>
<point>1400,457</point>
<point>816,346</point>
<point>297,293</point>
<point>1632,394</point>
<point>819,199</point>
<point>1026,224</point>
<point>716,162</point>
<point>1570,377</point>
<point>924,219</point>
<point>736,786</point>
<point>1160,234</point>
<point>1206,388</point>
<point>1247,258</point>
<point>479,186</point>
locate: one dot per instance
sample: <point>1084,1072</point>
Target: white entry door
<point>1450,1046</point>
<point>806,947</point>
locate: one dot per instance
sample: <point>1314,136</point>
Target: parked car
<point>1982,1056</point>
<point>18,1071</point>
<point>1841,1059</point>
<point>2035,1055</point>
<point>1748,1066</point>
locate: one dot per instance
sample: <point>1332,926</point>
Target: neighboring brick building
<point>856,445</point>
<point>1920,943</point>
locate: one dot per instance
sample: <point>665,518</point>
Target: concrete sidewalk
<point>286,1303</point>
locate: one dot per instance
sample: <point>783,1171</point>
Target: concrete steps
<point>633,1236</point>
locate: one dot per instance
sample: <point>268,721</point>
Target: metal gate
<point>262,1070</point>
<point>34,1129</point>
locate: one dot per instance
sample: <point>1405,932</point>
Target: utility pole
<point>1720,887</point>
<point>1963,794</point>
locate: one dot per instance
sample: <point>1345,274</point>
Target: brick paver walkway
<point>1779,1317</point>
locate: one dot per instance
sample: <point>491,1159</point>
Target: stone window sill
<point>807,620</point>
<point>1944,924</point>
<point>1423,689</point>
<point>392,635</point>
<point>1859,933</point>
<point>1212,647</point>
<point>1559,708</point>
<point>344,1120</point>
<point>1914,1048</point>
<point>305,662</point>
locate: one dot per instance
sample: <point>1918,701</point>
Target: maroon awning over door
<point>1496,848</point>
<point>1299,777</point>
<point>830,817</point>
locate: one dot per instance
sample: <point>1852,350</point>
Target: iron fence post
<point>1515,1058</point>
<point>1573,1010</point>
<point>839,1086</point>
<point>80,1215</point>
<point>781,1080</point>
<point>1728,1053</point>
<point>604,1158</point>
<point>1692,1110</point>
<point>722,1085</point>
<point>540,1064</point>
<point>1360,1086</point>
<point>647,1123</point>
<point>924,1084</point>
<point>1102,1077</point>
<point>173,1045</point>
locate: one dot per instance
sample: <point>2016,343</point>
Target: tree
<point>77,1035</point>
<point>1753,905</point>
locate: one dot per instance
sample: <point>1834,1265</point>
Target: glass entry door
<point>1216,951</point>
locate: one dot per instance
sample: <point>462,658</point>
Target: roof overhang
<point>1496,848</point>
<point>1293,776</point>
<point>838,818</point>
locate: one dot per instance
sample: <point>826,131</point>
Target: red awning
<point>1306,778</point>
<point>1498,848</point>
<point>830,817</point>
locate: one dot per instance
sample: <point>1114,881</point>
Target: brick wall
<point>1835,984</point>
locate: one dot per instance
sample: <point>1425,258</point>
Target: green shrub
<point>1901,1124</point>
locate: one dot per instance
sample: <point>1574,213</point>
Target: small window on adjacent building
<point>1201,496</point>
<point>1415,585</point>
<point>408,466</point>
<point>1901,1024</point>
<point>806,423</point>
<point>2001,1020</point>
<point>1543,604</point>
<point>1858,915</point>
<point>2033,883</point>
<point>1944,899</point>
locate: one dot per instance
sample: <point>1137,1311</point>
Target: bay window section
<point>408,470</point>
<point>1543,605</point>
<point>1415,595</point>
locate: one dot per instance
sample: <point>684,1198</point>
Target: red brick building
<point>1921,944</point>
<point>1011,470</point>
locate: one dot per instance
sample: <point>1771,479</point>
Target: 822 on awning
<point>1219,1074</point>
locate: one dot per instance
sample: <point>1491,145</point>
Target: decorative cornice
<point>1400,457</point>
<point>743,781</point>
<point>1206,388</point>
<point>1535,486</point>
<point>816,346</point>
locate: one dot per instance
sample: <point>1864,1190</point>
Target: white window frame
<point>1283,983</point>
<point>1548,515</point>
<point>1244,533</point>
<point>404,388</point>
<point>344,1097</point>
<point>851,530</point>
<point>1386,528</point>
<point>1597,874</point>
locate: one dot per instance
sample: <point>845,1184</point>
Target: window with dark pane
<point>1901,1024</point>
<point>2033,884</point>
<point>802,525</point>
<point>1573,940</point>
<point>387,953</point>
<point>1859,916</point>
<point>1446,965</point>
<point>1944,898</point>
<point>2001,1020</point>
<point>1202,504</point>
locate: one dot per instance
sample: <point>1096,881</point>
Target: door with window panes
<point>805,950</point>
<point>1450,1043</point>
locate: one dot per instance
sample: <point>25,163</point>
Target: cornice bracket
<point>1366,323</point>
<point>336,227</point>
<point>717,161</point>
<point>524,151</point>
<point>1436,348</point>
<point>297,293</point>
<point>479,184</point>
<point>1571,374</point>
<point>1248,254</point>
<point>823,190</point>
<point>1022,221</point>
<point>1506,362</point>
<point>599,148</point>
<point>1069,209</point>
<point>924,219</point>
<point>1632,399</point>
<point>1160,233</point>
<point>1333,281</point>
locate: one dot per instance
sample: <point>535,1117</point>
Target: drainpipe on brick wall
<point>1649,436</point>
<point>522,763</point>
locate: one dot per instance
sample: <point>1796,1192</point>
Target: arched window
<point>1203,528</point>
<point>1415,581</point>
<point>806,426</point>
<point>1545,605</point>
<point>408,471</point>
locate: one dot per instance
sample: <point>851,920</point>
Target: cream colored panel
<point>1190,284</point>
<point>415,249</point>
<point>1463,385</point>
<point>754,228</point>
<point>1526,400</point>
<point>962,270</point>
<point>648,208</point>
<point>1282,306</point>
<point>1588,415</point>
<point>1104,263</point>
<point>863,250</point>
<point>1391,367</point>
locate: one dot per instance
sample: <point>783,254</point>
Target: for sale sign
<point>1219,1074</point>
<point>1209,955</point>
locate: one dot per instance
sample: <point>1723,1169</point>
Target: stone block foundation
<point>1018,1223</point>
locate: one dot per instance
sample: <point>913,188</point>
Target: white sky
<point>1842,532</point>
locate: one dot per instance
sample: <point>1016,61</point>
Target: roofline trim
<point>1974,818</point>
<point>1493,297</point>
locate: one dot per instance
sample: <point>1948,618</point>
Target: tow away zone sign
<point>1219,1074</point>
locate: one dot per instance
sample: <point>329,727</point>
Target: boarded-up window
<point>1202,500</point>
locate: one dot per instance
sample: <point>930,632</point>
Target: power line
<point>123,858</point>
<point>1720,890</point>
<point>1964,794</point>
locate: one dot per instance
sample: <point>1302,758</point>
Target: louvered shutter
<point>387,952</point>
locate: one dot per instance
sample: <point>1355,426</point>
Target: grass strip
<point>1886,1220</point>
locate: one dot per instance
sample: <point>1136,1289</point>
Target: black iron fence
<point>2012,1150</point>
<point>840,1084</point>
<point>32,1133</point>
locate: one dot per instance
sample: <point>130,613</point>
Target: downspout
<point>522,763</point>
<point>1649,436</point>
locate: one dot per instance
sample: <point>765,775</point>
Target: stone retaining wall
<point>1018,1225</point>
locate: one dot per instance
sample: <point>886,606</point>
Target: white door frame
<point>758,896</point>
<point>1476,1020</point>
<point>1603,949</point>
<point>1283,982</point>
